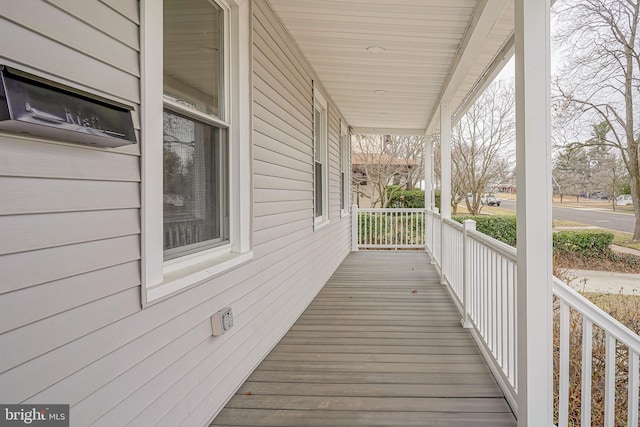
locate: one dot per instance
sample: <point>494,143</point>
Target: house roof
<point>388,64</point>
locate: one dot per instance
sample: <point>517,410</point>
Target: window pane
<point>193,54</point>
<point>195,192</point>
<point>317,134</point>
<point>342,189</point>
<point>318,194</point>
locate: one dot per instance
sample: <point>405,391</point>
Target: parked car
<point>490,199</point>
<point>624,199</point>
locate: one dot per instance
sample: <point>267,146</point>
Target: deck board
<point>381,345</point>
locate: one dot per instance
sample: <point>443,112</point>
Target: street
<point>597,218</point>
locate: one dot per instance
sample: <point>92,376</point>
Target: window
<point>195,195</point>
<point>195,139</point>
<point>320,159</point>
<point>345,168</point>
<point>195,151</point>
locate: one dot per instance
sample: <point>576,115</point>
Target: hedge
<point>587,243</point>
<point>500,227</point>
<point>401,198</point>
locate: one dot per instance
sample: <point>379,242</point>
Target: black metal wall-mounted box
<point>41,107</point>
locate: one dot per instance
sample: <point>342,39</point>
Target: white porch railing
<point>481,274</point>
<point>389,228</point>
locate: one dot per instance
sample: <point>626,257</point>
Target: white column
<point>467,225</point>
<point>428,171</point>
<point>445,160</point>
<point>533,165</point>
<point>445,182</point>
<point>355,224</point>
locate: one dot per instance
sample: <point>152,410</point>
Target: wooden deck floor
<point>381,345</point>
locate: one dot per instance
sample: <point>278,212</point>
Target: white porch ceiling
<point>432,48</point>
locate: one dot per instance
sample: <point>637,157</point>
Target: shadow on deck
<point>381,345</point>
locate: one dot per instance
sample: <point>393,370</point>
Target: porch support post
<point>533,165</point>
<point>445,181</point>
<point>428,171</point>
<point>428,190</point>
<point>467,225</point>
<point>355,215</point>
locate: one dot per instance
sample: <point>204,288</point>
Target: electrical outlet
<point>222,321</point>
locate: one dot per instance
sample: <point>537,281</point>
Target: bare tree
<point>482,146</point>
<point>381,161</point>
<point>600,80</point>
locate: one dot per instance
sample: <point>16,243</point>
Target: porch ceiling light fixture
<point>380,92</point>
<point>375,49</point>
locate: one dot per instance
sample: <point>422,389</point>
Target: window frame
<point>162,279</point>
<point>320,104</point>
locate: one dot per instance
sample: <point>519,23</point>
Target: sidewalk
<point>606,282</point>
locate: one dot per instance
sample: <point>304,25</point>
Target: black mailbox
<point>41,107</point>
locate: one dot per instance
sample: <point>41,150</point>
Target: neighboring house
<point>373,172</point>
<point>221,181</point>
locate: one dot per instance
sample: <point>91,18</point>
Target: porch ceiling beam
<point>388,131</point>
<point>484,18</point>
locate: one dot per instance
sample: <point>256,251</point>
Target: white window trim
<point>345,167</point>
<point>320,102</point>
<point>161,279</point>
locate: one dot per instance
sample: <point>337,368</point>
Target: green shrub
<point>500,227</point>
<point>401,198</point>
<point>586,243</point>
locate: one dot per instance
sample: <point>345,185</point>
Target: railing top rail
<point>500,247</point>
<point>408,210</point>
<point>596,315</point>
<point>453,223</point>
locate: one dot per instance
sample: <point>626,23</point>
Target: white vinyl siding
<point>70,244</point>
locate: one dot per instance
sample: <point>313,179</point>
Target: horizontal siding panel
<point>274,158</point>
<point>20,233</point>
<point>153,390</point>
<point>298,89</point>
<point>271,182</point>
<point>104,18</point>
<point>33,268</point>
<point>27,195</point>
<point>29,305</point>
<point>280,53</point>
<point>274,208</point>
<point>31,341</point>
<point>29,158</point>
<point>54,23</point>
<point>128,8</point>
<point>269,195</point>
<point>265,222</point>
<point>25,47</point>
<point>268,66</point>
<point>298,127</point>
<point>261,167</point>
<point>261,236</point>
<point>282,141</point>
<point>118,391</point>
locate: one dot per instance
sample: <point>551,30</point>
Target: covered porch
<point>381,345</point>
